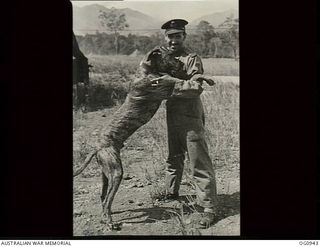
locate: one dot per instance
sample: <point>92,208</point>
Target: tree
<point>231,35</point>
<point>206,33</point>
<point>114,21</point>
<point>87,44</point>
<point>143,43</point>
<point>126,44</point>
<point>157,39</point>
<point>195,44</point>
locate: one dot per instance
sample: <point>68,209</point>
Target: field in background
<point>221,66</point>
<point>212,66</point>
<point>110,77</point>
<point>145,153</point>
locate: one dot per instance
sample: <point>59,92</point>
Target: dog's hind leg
<point>112,172</point>
<point>105,183</point>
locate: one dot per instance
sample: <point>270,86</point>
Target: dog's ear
<point>155,60</point>
<point>149,62</point>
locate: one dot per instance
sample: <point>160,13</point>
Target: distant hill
<point>215,19</point>
<point>85,20</point>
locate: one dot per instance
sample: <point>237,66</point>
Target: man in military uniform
<point>185,120</point>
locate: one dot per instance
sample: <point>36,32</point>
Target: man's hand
<point>201,78</point>
<point>165,80</point>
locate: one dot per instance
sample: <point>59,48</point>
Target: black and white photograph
<point>156,118</point>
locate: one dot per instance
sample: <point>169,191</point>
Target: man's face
<point>175,41</point>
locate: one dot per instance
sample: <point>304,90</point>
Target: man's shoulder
<point>190,53</point>
<point>193,55</point>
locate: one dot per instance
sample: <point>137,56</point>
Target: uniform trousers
<point>185,120</point>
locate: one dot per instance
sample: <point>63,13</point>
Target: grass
<point>110,76</point>
<point>221,106</point>
<point>121,64</point>
<point>129,65</point>
<point>221,66</point>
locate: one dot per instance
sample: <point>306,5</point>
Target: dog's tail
<point>86,163</point>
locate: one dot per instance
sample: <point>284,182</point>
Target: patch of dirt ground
<point>135,206</point>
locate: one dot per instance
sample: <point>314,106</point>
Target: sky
<point>168,9</point>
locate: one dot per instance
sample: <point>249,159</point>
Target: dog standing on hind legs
<point>112,172</point>
<point>130,116</point>
<point>142,102</point>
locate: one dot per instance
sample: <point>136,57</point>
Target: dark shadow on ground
<point>228,205</point>
<point>153,214</point>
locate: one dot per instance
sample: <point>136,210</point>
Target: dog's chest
<point>171,65</point>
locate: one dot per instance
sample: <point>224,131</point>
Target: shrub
<point>107,90</point>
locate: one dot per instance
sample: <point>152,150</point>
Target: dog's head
<point>159,61</point>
